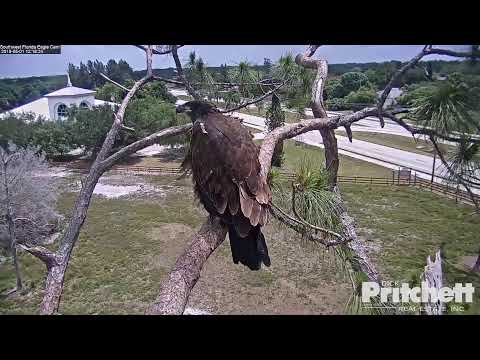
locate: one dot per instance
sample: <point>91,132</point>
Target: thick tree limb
<point>319,111</point>
<point>453,53</point>
<point>174,293</point>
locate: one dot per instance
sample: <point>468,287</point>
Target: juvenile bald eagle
<point>226,173</point>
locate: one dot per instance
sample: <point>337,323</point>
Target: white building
<point>53,106</point>
<point>393,96</point>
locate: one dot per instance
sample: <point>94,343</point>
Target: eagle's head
<point>196,109</point>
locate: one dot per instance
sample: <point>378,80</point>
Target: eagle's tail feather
<point>251,250</point>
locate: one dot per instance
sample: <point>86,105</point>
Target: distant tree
<point>365,96</point>
<point>352,81</point>
<point>156,90</point>
<point>334,89</point>
<point>27,201</point>
<point>336,104</point>
<point>148,115</point>
<point>90,126</point>
<point>17,129</point>
<point>110,92</point>
<point>54,138</point>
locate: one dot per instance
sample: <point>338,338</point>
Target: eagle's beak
<point>181,109</point>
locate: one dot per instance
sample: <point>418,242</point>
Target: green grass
<point>395,141</point>
<point>294,152</point>
<point>408,224</point>
<point>127,246</point>
<point>113,267</point>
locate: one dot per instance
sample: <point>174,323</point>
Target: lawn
<point>406,225</point>
<point>294,152</point>
<point>128,245</point>
<point>396,141</point>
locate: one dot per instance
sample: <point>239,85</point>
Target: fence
<point>399,178</point>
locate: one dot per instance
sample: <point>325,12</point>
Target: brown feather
<point>246,202</point>
<point>256,212</point>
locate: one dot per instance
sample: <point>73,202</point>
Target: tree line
<point>18,91</point>
<point>153,109</point>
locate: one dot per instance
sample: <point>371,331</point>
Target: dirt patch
<point>298,282</point>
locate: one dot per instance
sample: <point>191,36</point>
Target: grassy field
<point>396,141</point>
<point>405,225</point>
<point>128,245</point>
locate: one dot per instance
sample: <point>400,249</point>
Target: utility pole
<point>434,160</point>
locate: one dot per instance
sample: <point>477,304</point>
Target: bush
<point>334,89</point>
<point>335,104</point>
<point>353,81</point>
<point>356,100</point>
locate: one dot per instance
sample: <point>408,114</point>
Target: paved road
<point>381,155</point>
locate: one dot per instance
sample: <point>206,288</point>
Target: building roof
<point>70,91</point>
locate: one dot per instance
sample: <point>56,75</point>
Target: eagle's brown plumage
<point>226,172</point>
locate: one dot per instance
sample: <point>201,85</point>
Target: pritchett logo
<point>460,293</point>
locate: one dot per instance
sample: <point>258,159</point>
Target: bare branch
<point>174,292</point>
<point>115,83</point>
<point>181,75</point>
<point>395,78</point>
<point>453,53</point>
<point>160,52</point>
<point>126,128</point>
<point>254,101</point>
<point>159,78</point>
<point>48,257</point>
<point>143,143</point>
<point>56,272</point>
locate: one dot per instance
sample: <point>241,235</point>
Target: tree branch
<point>174,292</point>
<point>48,257</point>
<point>143,143</point>
<point>305,229</point>
<point>181,75</point>
<point>56,272</point>
<point>254,101</point>
<point>115,83</point>
<point>395,78</point>
<point>160,52</point>
<point>453,53</point>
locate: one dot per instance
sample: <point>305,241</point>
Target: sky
<point>213,55</point>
